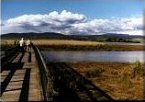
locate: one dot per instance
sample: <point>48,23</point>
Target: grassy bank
<point>99,47</point>
<point>6,44</point>
<point>86,45</point>
<point>46,44</point>
<point>115,78</point>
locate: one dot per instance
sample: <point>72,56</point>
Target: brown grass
<point>45,44</point>
<point>99,47</point>
<point>7,42</point>
<point>65,42</point>
<point>116,79</point>
<point>86,45</point>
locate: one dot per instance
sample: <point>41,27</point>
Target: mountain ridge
<point>52,35</point>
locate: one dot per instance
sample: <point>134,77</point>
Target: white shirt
<point>21,42</point>
<point>28,42</point>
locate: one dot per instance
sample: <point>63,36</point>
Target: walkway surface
<point>20,79</point>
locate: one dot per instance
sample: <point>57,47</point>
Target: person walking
<point>28,46</point>
<point>21,44</point>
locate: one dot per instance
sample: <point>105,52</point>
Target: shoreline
<point>99,47</point>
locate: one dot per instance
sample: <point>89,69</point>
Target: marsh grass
<point>137,68</point>
<point>116,78</point>
<point>85,45</point>
<point>126,81</point>
<point>94,73</point>
<point>55,44</point>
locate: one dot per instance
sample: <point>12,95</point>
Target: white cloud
<point>72,23</point>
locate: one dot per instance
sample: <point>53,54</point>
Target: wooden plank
<point>24,84</point>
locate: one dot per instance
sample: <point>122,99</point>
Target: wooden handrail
<point>46,80</point>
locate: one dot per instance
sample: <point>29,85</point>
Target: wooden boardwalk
<point>20,79</point>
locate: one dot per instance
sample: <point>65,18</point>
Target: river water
<point>94,56</point>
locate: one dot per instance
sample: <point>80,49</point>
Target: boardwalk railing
<point>68,76</point>
<point>46,80</point>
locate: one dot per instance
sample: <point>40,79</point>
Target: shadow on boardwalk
<point>12,67</point>
<point>72,86</point>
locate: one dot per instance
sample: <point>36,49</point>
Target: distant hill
<point>50,35</point>
<point>31,35</point>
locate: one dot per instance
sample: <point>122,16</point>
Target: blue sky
<point>91,9</point>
